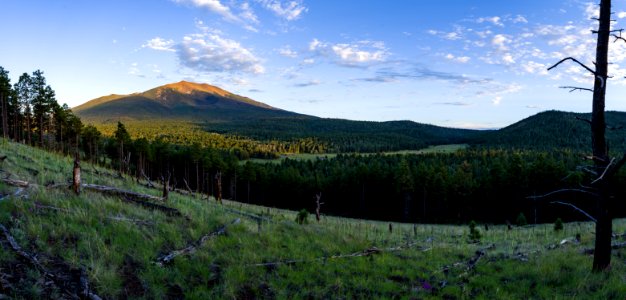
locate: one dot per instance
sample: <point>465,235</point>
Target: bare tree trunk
<point>602,254</point>
<point>218,187</point>
<point>166,186</point>
<point>76,181</point>
<point>318,205</point>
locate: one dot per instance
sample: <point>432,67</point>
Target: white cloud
<point>496,100</point>
<point>520,19</point>
<point>500,41</point>
<point>508,59</point>
<point>248,14</point>
<point>308,61</point>
<point>459,59</point>
<point>493,20</point>
<point>352,54</point>
<point>532,67</point>
<point>453,36</point>
<point>289,10</point>
<point>210,52</point>
<point>621,14</point>
<point>213,5</point>
<point>592,11</point>
<point>315,44</point>
<point>160,44</point>
<point>287,52</point>
<point>359,53</point>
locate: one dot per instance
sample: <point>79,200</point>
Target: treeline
<point>556,130</point>
<point>344,136</point>
<point>483,185</point>
<point>31,114</point>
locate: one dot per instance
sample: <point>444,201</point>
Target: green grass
<point>524,263</point>
<point>307,156</point>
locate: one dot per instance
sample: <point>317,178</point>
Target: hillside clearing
<point>267,254</point>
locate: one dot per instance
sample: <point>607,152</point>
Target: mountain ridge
<point>180,100</point>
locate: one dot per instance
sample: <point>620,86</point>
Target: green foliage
<point>302,217</point>
<point>474,233</point>
<point>558,224</point>
<point>521,220</point>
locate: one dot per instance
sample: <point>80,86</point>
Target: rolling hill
<point>211,109</point>
<point>555,129</point>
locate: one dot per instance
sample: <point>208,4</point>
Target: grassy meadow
<point>266,254</point>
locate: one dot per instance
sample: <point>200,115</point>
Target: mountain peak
<point>186,87</point>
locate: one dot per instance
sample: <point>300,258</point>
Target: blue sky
<point>473,64</point>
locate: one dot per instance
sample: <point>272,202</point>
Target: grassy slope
<point>119,255</point>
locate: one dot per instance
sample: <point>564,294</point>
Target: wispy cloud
<point>361,53</point>
<point>459,59</point>
<point>455,103</point>
<point>308,84</point>
<point>210,51</point>
<point>213,5</point>
<point>288,10</point>
<point>160,44</point>
<point>493,20</point>
<point>286,51</point>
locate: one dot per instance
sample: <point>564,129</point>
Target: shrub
<point>302,217</point>
<point>474,234</point>
<point>558,224</point>
<point>521,220</point>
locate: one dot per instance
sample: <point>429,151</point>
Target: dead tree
<point>601,187</point>
<point>318,205</point>
<point>166,186</point>
<point>76,175</point>
<point>218,187</point>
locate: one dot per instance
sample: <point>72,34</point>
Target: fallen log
<point>590,251</point>
<point>167,258</point>
<point>119,192</point>
<point>15,182</point>
<point>366,252</point>
<point>249,215</point>
<point>166,209</point>
<point>58,279</point>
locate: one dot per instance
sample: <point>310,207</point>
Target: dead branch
<point>564,191</point>
<point>84,291</point>
<point>149,184</point>
<point>119,192</point>
<point>366,252</point>
<point>170,211</point>
<point>248,215</point>
<point>188,188</point>
<point>166,259</point>
<point>136,221</point>
<point>575,88</point>
<point>574,60</point>
<point>584,120</point>
<point>15,182</point>
<point>604,172</point>
<point>576,208</point>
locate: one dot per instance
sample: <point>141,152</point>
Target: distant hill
<point>181,101</point>
<point>556,129</point>
<point>215,110</point>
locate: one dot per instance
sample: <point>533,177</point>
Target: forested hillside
<point>556,130</point>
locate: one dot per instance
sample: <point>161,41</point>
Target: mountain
<point>556,129</point>
<point>182,101</point>
<point>215,110</point>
